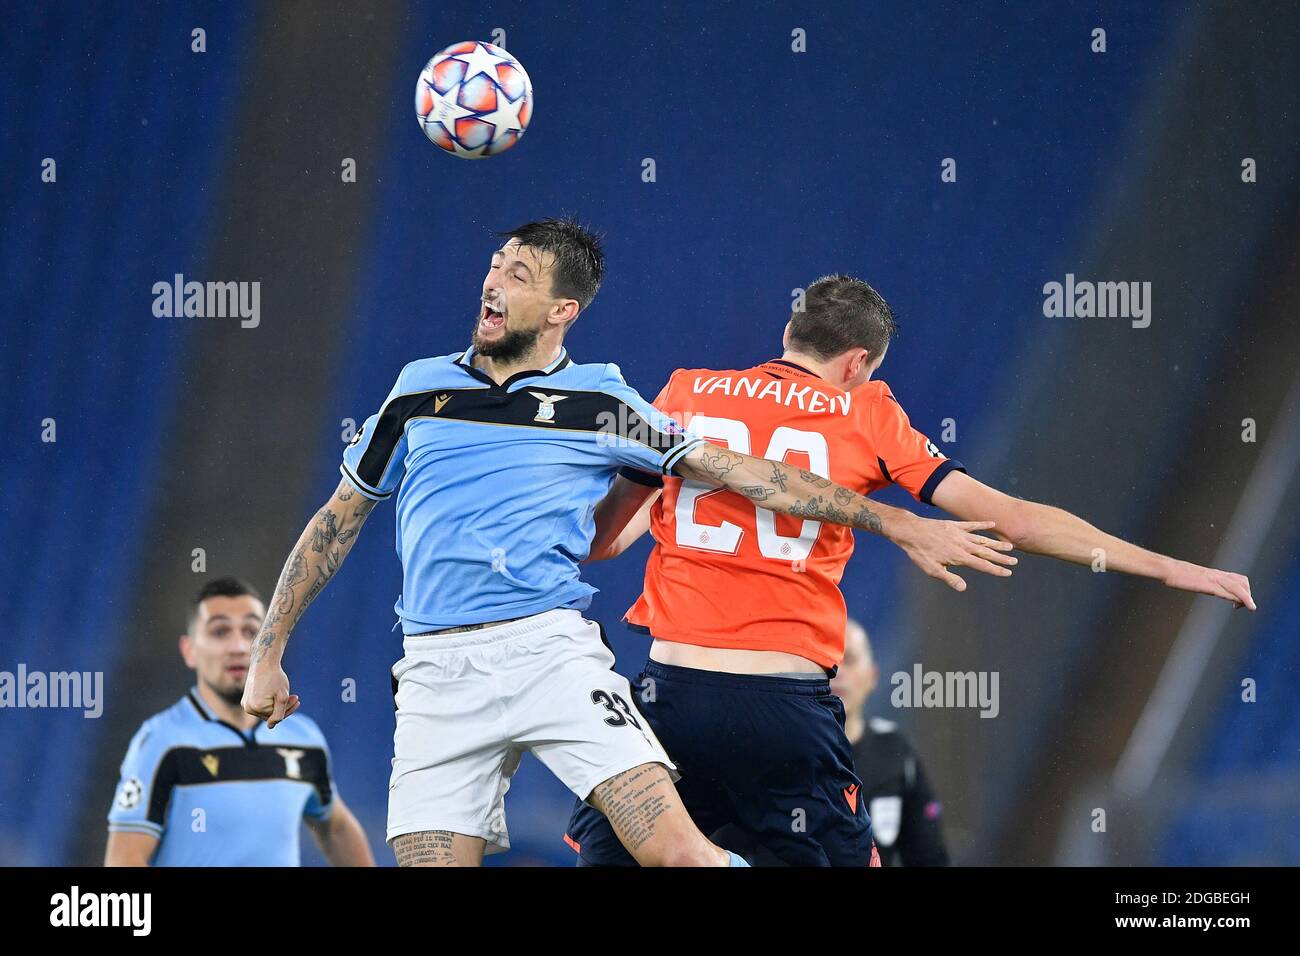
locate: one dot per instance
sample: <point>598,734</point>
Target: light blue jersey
<point>217,796</point>
<point>497,484</point>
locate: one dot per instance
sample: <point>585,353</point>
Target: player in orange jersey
<point>744,606</point>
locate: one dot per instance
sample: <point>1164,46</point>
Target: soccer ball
<point>474,100</point>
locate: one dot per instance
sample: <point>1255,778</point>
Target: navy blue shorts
<point>767,771</point>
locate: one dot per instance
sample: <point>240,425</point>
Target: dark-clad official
<point>905,813</point>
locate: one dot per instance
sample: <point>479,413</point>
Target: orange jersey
<point>725,573</point>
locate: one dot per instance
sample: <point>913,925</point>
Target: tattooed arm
<point>930,544</point>
<point>321,548</point>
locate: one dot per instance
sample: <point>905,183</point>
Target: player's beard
<point>231,694</point>
<point>511,347</point>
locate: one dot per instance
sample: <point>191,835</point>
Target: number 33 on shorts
<point>620,711</point>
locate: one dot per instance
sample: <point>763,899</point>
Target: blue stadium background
<point>772,167</point>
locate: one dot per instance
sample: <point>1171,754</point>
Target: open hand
<point>934,545</point>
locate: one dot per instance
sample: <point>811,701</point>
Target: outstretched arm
<point>931,545</point>
<point>1042,529</point>
<point>314,561</point>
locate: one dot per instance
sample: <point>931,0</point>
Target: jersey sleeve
<point>140,802</point>
<point>636,434</point>
<point>375,460</point>
<point>650,479</point>
<point>905,456</point>
<point>321,801</point>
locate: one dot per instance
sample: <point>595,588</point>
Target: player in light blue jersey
<point>205,784</point>
<point>498,456</point>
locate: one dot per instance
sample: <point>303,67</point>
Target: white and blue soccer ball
<point>473,100</point>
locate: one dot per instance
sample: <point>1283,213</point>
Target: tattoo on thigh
<point>430,847</point>
<point>634,801</point>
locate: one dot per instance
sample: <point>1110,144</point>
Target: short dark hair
<point>579,261</point>
<point>841,313</point>
<point>219,587</point>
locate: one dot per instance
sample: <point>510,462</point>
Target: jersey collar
<point>466,361</point>
<point>207,713</point>
<point>201,705</point>
<point>797,368</point>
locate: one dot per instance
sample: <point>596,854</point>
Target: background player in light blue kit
<point>205,784</point>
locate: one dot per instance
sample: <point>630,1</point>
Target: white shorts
<point>470,704</point>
